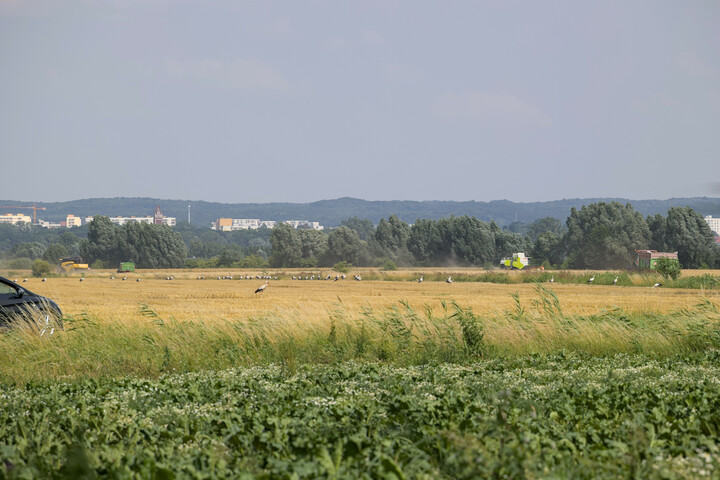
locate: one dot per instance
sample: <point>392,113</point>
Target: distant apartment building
<point>170,221</point>
<point>713,223</point>
<point>46,224</point>
<point>245,223</point>
<point>124,220</point>
<point>222,224</point>
<point>15,218</point>
<point>230,224</point>
<point>73,221</point>
<point>304,224</point>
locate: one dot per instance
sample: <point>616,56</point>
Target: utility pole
<point>188,213</point>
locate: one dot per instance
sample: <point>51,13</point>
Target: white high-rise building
<point>713,223</point>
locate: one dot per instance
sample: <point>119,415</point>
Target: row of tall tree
<point>599,235</point>
<point>606,235</point>
<point>149,246</point>
<point>449,241</point>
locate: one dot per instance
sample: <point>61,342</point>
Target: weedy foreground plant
<point>151,345</point>
<point>537,416</point>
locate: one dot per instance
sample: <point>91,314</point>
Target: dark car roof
<point>10,282</point>
<point>28,293</point>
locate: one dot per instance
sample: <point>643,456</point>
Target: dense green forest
<point>331,213</point>
<point>599,235</point>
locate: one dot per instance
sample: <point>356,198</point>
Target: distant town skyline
<point>256,102</point>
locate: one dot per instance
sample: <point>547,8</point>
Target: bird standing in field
<point>262,288</point>
<point>449,279</point>
<point>657,285</point>
<point>420,280</point>
<point>592,279</point>
<point>615,281</point>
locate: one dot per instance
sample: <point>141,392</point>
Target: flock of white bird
<point>262,288</point>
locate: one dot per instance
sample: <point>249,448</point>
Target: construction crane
<point>35,208</point>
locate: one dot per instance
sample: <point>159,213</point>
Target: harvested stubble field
<point>186,299</point>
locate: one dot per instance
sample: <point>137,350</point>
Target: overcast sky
<point>262,101</point>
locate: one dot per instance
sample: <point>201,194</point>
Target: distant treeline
<point>600,235</point>
<point>331,213</point>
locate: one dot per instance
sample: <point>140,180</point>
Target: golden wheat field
<point>117,327</point>
<point>186,298</point>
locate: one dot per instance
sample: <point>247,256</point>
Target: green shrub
<point>668,267</point>
<point>97,264</point>
<point>342,267</point>
<point>390,266</point>
<point>41,268</point>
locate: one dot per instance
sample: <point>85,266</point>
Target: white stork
<point>420,280</point>
<point>552,279</point>
<point>449,279</point>
<point>262,287</point>
<point>592,279</point>
<point>615,281</point>
<point>657,285</point>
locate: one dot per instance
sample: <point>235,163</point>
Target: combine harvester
<point>71,264</point>
<point>517,262</point>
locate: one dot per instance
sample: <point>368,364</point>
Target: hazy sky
<point>260,101</point>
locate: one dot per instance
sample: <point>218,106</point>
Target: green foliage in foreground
<point>559,416</point>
